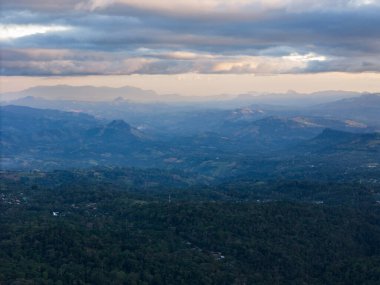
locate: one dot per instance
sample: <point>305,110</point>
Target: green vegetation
<point>63,228</point>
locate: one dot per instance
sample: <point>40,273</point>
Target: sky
<point>192,47</point>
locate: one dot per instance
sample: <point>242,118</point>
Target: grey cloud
<point>348,36</point>
<point>40,5</point>
<point>37,62</point>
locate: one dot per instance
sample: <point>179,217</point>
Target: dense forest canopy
<point>80,228</point>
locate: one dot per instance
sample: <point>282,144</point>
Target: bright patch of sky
<point>8,32</point>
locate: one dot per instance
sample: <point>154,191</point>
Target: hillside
<point>365,108</point>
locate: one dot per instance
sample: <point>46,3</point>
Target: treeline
<point>159,184</point>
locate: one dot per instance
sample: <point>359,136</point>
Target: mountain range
<point>212,142</point>
<point>191,118</point>
<point>138,95</point>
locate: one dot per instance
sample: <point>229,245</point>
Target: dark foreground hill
<point>72,228</point>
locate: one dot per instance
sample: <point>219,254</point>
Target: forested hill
<point>81,233</point>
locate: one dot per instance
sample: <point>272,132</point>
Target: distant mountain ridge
<point>365,108</point>
<point>337,142</point>
<point>295,99</point>
<point>89,93</point>
<point>134,94</point>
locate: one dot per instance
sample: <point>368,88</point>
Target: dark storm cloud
<point>127,37</point>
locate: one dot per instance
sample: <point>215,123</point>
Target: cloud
<point>39,5</point>
<point>37,62</point>
<point>209,36</point>
<point>188,7</point>
<point>225,6</point>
